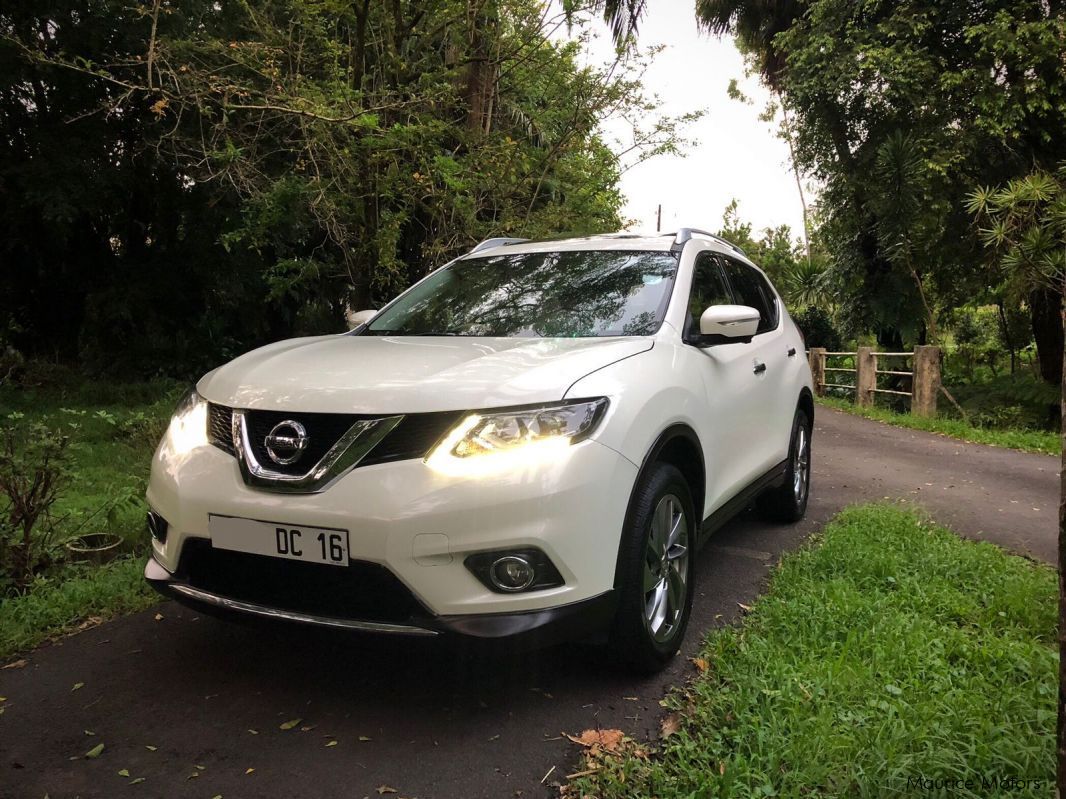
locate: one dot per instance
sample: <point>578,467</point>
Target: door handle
<point>791,352</point>
<point>760,368</point>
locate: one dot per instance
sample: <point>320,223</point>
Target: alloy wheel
<point>666,568</point>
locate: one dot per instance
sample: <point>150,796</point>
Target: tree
<point>1023,225</point>
<point>975,89</point>
<point>246,171</point>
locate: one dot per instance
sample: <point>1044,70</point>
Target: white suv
<point>529,443</point>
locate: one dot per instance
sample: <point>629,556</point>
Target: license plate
<point>277,540</point>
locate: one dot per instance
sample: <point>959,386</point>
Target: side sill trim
<point>743,498</point>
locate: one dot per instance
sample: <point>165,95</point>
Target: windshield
<point>543,294</point>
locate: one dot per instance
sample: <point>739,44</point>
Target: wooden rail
<point>924,375</point>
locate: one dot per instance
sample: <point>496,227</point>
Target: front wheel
<point>788,502</point>
<point>655,566</point>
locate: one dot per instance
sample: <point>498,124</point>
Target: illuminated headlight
<point>188,425</point>
<point>491,442</point>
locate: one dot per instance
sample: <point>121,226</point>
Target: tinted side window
<point>708,288</point>
<point>752,289</point>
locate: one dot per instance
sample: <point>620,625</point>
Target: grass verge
<point>54,607</point>
<point>1041,441</point>
<point>889,650</point>
<point>113,429</point>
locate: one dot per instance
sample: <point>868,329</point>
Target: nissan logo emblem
<point>286,442</point>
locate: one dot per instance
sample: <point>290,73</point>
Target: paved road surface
<point>436,724</point>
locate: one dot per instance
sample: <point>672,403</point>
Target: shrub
<point>34,468</point>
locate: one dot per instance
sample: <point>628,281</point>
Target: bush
<point>818,329</point>
<point>34,468</point>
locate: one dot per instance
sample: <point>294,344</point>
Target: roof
<point>622,241</point>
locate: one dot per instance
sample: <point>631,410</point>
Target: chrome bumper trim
<point>170,586</point>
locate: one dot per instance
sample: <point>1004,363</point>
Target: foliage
<point>888,649</point>
<point>898,110</point>
<point>34,469</point>
<point>818,329</point>
<point>1023,225</point>
<point>111,431</point>
<point>185,181</point>
<point>996,435</point>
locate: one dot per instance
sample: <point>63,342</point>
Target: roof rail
<point>499,241</point>
<point>686,233</point>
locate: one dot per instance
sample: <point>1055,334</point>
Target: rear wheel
<point>788,503</point>
<point>655,569</point>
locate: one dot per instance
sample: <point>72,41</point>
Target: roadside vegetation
<point>74,458</point>
<point>1041,441</point>
<point>886,650</point>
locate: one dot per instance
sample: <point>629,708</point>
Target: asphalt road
<point>192,704</point>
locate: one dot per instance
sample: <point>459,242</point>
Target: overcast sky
<point>736,154</point>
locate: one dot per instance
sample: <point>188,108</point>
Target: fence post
<point>817,361</point>
<point>865,376</point>
<point>926,382</point>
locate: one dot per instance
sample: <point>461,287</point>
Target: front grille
<point>364,591</point>
<point>411,438</point>
<point>323,431</point>
<point>220,427</point>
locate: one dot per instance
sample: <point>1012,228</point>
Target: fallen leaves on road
<point>95,751</point>
<point>123,772</point>
<point>383,789</point>
<point>136,780</point>
<point>701,664</point>
<point>150,748</point>
<point>610,740</point>
<point>77,685</point>
<point>331,743</point>
<point>604,749</point>
<point>743,607</point>
<point>16,664</point>
<point>670,724</point>
<point>159,617</point>
<point>365,738</point>
<point>249,770</point>
<point>288,725</point>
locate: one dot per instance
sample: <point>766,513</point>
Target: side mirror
<point>726,324</point>
<point>356,318</point>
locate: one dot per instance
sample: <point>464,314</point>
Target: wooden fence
<point>920,383</point>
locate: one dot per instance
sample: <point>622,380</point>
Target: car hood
<point>386,374</point>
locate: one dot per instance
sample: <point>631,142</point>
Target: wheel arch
<point>806,403</point>
<point>678,445</point>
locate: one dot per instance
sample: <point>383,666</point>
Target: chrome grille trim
<point>341,458</point>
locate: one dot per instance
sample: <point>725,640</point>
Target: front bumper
<point>535,627</point>
<point>416,526</point>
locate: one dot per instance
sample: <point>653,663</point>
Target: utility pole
<point>659,219</point>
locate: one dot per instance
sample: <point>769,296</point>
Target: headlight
<point>485,443</point>
<point>188,425</point>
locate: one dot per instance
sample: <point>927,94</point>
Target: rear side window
<point>751,289</point>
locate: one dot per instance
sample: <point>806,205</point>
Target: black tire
<point>634,639</point>
<point>788,502</point>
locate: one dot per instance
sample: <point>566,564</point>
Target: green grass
<point>59,605</point>
<point>113,430</point>
<point>889,649</point>
<point>1042,441</point>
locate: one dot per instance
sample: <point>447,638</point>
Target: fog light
<point>157,526</point>
<point>508,571</point>
<point>512,573</point>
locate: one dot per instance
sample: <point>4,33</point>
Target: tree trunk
<point>1046,308</point>
<point>1062,570</point>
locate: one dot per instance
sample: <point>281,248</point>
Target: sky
<point>736,154</point>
